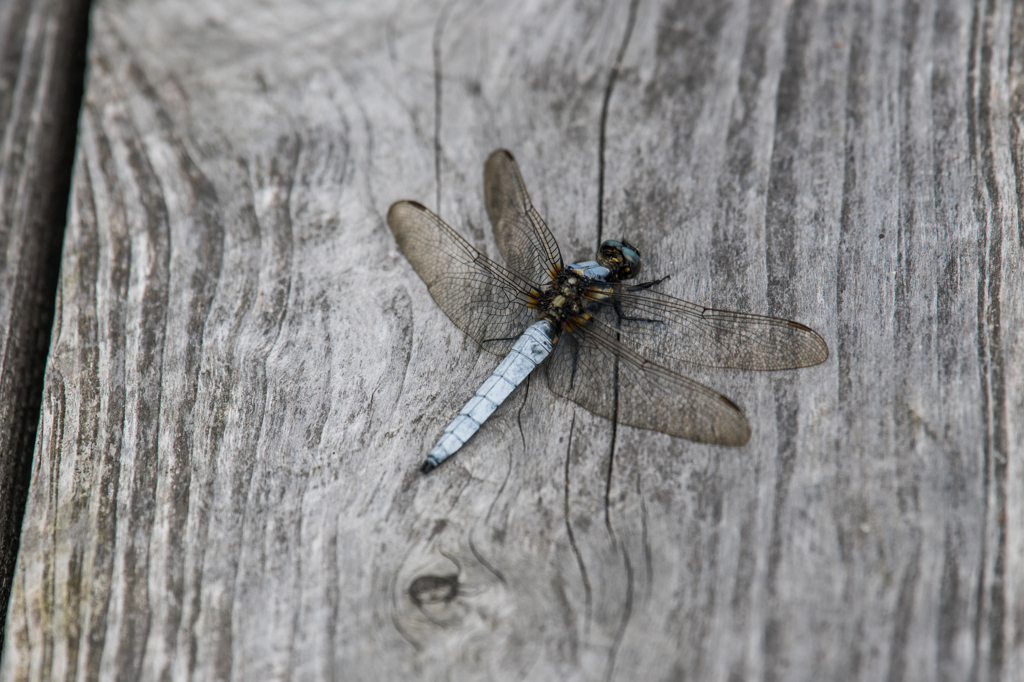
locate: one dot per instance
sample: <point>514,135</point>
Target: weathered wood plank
<point>227,486</point>
<point>42,64</point>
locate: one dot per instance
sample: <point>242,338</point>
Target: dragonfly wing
<point>594,369</point>
<point>523,237</point>
<point>672,330</point>
<point>481,297</point>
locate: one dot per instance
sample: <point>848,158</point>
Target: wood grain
<point>226,485</point>
<point>42,64</point>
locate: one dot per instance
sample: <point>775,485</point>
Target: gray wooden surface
<point>42,52</point>
<point>245,374</point>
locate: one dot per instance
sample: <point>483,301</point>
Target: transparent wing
<point>523,237</point>
<point>594,370</point>
<point>482,298</point>
<point>672,330</point>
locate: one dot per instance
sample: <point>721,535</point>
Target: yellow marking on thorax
<point>599,291</point>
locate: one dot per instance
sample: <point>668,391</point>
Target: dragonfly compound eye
<point>622,258</point>
<point>632,256</point>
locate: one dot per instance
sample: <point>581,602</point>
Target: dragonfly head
<point>621,258</point>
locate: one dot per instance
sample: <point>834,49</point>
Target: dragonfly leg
<point>647,285</point>
<point>637,287</point>
<point>626,318</point>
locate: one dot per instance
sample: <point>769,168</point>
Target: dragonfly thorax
<point>571,298</point>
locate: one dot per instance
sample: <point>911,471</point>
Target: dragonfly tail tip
<point>428,466</point>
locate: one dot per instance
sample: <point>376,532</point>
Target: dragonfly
<point>609,343</point>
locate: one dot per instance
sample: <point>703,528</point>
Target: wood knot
<point>428,590</point>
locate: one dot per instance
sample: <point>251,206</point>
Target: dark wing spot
<point>729,403</point>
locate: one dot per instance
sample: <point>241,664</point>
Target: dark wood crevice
<point>42,71</point>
